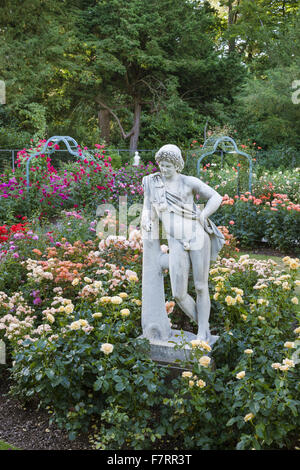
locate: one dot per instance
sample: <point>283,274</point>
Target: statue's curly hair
<point>170,153</point>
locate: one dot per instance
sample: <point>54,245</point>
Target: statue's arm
<point>213,198</point>
<point>146,213</point>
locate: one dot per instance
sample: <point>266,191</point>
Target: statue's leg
<point>200,264</point>
<point>179,267</point>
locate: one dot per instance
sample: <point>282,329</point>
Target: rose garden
<point>71,312</point>
<point>79,311</point>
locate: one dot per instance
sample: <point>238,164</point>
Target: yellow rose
<point>204,361</point>
<point>61,309</point>
<point>248,351</point>
<point>241,375</point>
<point>97,284</point>
<point>276,365</point>
<point>87,279</point>
<point>75,325</point>
<point>123,295</point>
<point>97,315</point>
<point>239,299</point>
<point>237,290</point>
<point>116,300</point>
<point>216,295</point>
<point>200,383</point>
<point>288,362</point>
<point>133,278</point>
<point>50,318</point>
<point>137,301</point>
<point>248,417</point>
<point>69,308</point>
<point>83,322</point>
<point>105,299</point>
<point>195,343</point>
<point>125,312</point>
<point>205,345</point>
<point>107,348</point>
<point>297,330</point>
<point>289,344</point>
<point>191,383</point>
<point>213,271</point>
<point>294,264</point>
<point>218,279</point>
<point>229,300</point>
<point>187,374</point>
<point>261,286</point>
<point>295,300</point>
<point>75,281</point>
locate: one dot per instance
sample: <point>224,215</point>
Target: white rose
<point>204,361</point>
<point>107,348</point>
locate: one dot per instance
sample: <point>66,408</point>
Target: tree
<point>34,43</point>
<point>137,47</point>
<point>252,25</point>
<point>74,66</point>
<point>269,103</point>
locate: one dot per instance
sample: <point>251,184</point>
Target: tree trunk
<point>134,133</point>
<point>231,41</point>
<point>104,124</point>
<point>134,138</point>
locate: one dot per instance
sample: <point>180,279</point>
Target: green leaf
<point>260,430</point>
<point>50,373</point>
<point>120,387</point>
<point>65,382</point>
<point>232,421</point>
<point>98,384</point>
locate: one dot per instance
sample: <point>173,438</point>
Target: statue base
<point>165,351</point>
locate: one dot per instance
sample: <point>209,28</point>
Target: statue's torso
<point>181,189</point>
<point>174,204</point>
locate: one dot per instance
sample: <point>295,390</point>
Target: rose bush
<point>275,219</point>
<point>72,326</point>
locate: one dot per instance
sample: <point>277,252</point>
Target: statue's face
<point>167,169</point>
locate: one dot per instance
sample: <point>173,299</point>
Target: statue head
<point>172,154</point>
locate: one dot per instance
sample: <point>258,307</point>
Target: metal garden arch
<point>69,142</point>
<point>223,145</point>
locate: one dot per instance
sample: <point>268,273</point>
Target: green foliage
<point>81,356</point>
<point>113,55</point>
<point>6,446</point>
<point>253,223</point>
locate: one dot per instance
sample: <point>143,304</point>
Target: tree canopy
<point>137,73</point>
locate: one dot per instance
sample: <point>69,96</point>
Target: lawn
<point>6,446</point>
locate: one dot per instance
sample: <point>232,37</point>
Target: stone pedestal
<point>165,352</point>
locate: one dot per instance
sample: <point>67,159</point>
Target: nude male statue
<point>193,240</point>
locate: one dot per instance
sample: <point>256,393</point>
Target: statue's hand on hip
<point>203,219</point>
<point>204,223</point>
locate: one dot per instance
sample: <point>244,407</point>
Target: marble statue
<point>194,242</point>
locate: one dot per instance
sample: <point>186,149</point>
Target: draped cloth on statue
<point>180,220</point>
